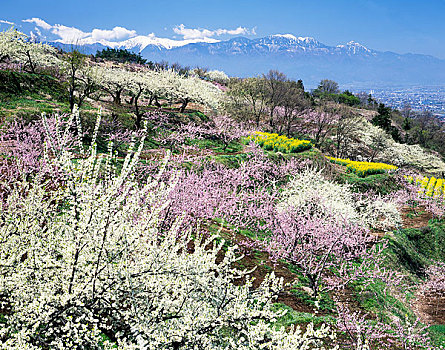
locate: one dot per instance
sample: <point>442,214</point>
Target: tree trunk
<point>184,105</point>
<point>71,99</point>
<point>271,117</point>
<point>117,97</point>
<point>313,285</point>
<point>157,104</point>
<point>137,111</point>
<point>31,65</point>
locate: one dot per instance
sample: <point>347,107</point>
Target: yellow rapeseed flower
<point>363,168</point>
<point>279,143</point>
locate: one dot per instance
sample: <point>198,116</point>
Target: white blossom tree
<point>17,47</point>
<point>217,76</point>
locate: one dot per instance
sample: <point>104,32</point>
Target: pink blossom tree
<point>317,242</point>
<point>361,330</point>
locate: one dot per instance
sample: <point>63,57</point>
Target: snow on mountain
<point>140,42</point>
<point>353,47</point>
<point>301,57</point>
<point>273,43</point>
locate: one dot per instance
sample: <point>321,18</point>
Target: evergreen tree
<point>121,55</point>
<point>383,118</point>
<point>300,84</point>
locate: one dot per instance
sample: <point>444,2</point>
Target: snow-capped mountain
<point>355,48</point>
<point>271,44</point>
<point>299,57</point>
<point>137,43</point>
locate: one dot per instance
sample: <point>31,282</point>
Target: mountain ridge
<point>300,57</point>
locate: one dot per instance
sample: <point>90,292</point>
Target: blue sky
<point>395,25</point>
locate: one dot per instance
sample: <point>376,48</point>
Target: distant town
<point>418,98</point>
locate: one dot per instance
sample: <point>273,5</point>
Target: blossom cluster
<point>166,84</point>
<point>217,76</point>
<point>363,169</point>
<point>279,143</point>
<point>310,189</point>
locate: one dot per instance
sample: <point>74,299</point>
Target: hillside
<point>164,208</point>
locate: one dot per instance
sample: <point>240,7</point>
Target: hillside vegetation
<point>154,206</point>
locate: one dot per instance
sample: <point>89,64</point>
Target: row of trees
<point>126,56</point>
<point>120,55</point>
<point>84,78</point>
<point>16,47</point>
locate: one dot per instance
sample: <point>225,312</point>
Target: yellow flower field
<point>279,143</point>
<point>363,169</point>
<point>431,187</point>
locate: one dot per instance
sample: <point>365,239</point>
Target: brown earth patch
<point>430,308</point>
<point>415,219</point>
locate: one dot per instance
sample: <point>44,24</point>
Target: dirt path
<point>429,308</point>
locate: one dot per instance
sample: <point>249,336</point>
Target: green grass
<point>293,317</point>
<point>378,299</point>
<point>414,249</point>
<point>403,255</point>
<point>325,302</point>
<point>197,115</point>
<point>21,83</point>
<point>437,333</point>
<point>310,154</point>
<point>408,251</point>
<point>26,106</point>
<point>217,146</point>
<point>380,183</point>
<point>254,235</point>
<point>231,161</point>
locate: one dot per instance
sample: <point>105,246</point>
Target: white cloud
<point>117,33</point>
<point>72,35</point>
<point>38,22</point>
<point>68,35</point>
<point>195,33</point>
<point>6,22</point>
